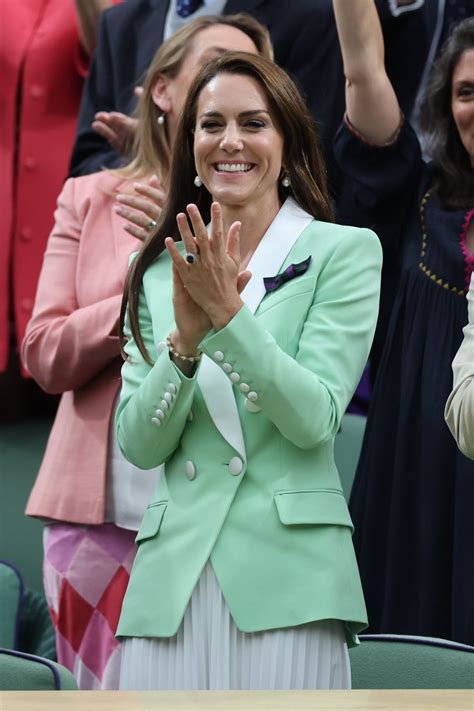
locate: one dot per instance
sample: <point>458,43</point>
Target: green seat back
<point>405,662</point>
<point>26,672</point>
<point>347,446</point>
<point>36,629</point>
<point>11,596</point>
<point>25,623</point>
<point>22,446</point>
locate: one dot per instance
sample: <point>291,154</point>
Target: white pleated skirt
<point>209,652</point>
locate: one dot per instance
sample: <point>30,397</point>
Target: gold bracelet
<point>177,354</point>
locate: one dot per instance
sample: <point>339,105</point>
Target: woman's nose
<point>231,139</point>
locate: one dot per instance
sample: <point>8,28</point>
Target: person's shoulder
<point>333,234</point>
<point>91,194</point>
<point>328,240</point>
<point>95,185</point>
<point>127,11</point>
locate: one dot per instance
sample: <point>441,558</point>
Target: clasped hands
<point>205,294</point>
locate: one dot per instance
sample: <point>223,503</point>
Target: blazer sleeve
<point>155,399</point>
<point>305,396</point>
<point>66,345</point>
<point>459,411</point>
<point>92,152</point>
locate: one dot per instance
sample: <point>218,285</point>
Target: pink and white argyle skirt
<point>85,574</point>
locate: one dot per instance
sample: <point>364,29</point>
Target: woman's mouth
<point>233,167</point>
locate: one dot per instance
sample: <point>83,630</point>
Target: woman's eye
<point>210,125</point>
<point>466,91</point>
<point>255,124</point>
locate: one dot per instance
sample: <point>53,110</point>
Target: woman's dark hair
<point>454,175</point>
<point>301,158</point>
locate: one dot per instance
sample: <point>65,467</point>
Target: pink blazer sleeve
<point>67,344</point>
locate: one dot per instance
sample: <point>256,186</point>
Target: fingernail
<point>118,209</point>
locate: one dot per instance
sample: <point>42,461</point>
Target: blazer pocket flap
<point>151,521</point>
<point>315,506</point>
<point>294,287</point>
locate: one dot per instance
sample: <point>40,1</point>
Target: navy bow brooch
<point>294,270</point>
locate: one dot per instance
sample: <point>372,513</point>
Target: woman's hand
<point>117,128</point>
<point>192,323</point>
<point>141,209</point>
<point>214,282</point>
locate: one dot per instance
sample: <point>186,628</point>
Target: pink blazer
<point>71,346</point>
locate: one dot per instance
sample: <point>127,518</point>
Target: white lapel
<point>267,260</point>
<point>273,249</point>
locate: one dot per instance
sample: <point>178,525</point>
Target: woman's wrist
<point>184,355</point>
<point>225,312</point>
<point>188,348</point>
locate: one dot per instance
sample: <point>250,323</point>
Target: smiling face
<point>462,101</point>
<point>238,149</point>
<point>169,93</point>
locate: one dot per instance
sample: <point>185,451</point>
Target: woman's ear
<point>160,94</point>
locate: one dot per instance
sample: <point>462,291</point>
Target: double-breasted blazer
<point>249,478</point>
<point>72,347</point>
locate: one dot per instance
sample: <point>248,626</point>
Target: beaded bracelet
<point>177,354</point>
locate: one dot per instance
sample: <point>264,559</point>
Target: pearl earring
<point>285,181</point>
<point>161,119</point>
<point>197,181</point>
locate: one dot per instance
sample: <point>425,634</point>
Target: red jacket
<point>41,77</point>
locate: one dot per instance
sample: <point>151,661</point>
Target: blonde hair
<point>151,149</point>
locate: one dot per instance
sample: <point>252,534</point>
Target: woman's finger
<point>151,209</point>
<point>242,280</point>
<point>233,242</point>
<point>154,194</point>
<point>176,257</point>
<point>140,219</point>
<point>217,229</point>
<point>137,232</point>
<point>185,232</point>
<point>155,182</point>
<point>178,286</point>
<point>200,230</point>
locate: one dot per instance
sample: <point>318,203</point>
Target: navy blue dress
<point>413,497</point>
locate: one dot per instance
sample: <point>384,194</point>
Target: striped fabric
<point>85,574</point>
<point>209,652</point>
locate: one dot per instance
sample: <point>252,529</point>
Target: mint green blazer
<point>249,478</point>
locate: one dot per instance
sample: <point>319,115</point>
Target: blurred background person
<point>412,496</point>
<point>92,498</point>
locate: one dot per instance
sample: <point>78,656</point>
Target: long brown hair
<point>152,146</point>
<point>301,157</point>
<point>454,175</point>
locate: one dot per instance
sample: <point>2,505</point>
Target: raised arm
<point>371,104</point>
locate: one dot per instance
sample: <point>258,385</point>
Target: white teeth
<point>234,167</point>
